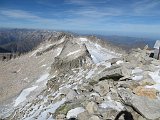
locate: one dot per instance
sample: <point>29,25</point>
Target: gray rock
<point>64,91</point>
<point>94,117</point>
<point>83,116</point>
<point>102,88</point>
<point>72,56</point>
<point>109,114</point>
<point>131,84</point>
<point>149,108</point>
<point>115,72</point>
<point>92,107</point>
<point>60,117</point>
<point>71,95</point>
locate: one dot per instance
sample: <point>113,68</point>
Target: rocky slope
<point>82,78</point>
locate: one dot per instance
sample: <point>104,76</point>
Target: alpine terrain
<point>71,77</point>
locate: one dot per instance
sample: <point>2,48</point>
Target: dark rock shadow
<point>127,115</point>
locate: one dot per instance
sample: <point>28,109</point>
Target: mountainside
<point>78,77</point>
<point>4,50</point>
<point>25,40</point>
<point>22,40</point>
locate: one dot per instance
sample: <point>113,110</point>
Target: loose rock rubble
<point>121,88</point>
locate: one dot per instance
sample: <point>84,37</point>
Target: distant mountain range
<point>4,50</point>
<point>21,40</point>
<point>24,40</point>
<point>127,42</point>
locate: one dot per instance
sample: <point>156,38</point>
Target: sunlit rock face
<point>73,55</point>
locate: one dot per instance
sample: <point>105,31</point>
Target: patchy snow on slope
<point>104,63</point>
<point>90,73</point>
<point>98,53</point>
<point>58,51</point>
<point>156,86</point>
<point>23,95</point>
<point>137,74</point>
<point>51,109</point>
<point>83,39</point>
<point>44,65</point>
<point>74,112</point>
<point>155,76</point>
<point>94,94</point>
<point>137,70</point>
<point>119,62</point>
<point>43,77</point>
<point>138,77</point>
<point>71,53</point>
<point>112,104</point>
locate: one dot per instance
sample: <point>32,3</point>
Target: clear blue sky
<point>124,16</point>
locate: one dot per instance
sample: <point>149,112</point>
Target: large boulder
<point>149,108</point>
<point>114,72</point>
<point>92,107</point>
<point>148,92</point>
<point>102,87</point>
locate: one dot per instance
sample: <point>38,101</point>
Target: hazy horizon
<point>120,17</point>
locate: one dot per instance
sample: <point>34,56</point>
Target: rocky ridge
<point>88,81</point>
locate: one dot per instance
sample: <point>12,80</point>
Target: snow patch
<point>155,76</point>
<point>90,73</point>
<point>71,53</point>
<point>74,112</point>
<point>83,39</point>
<point>58,51</point>
<point>137,70</point>
<point>98,53</point>
<point>94,94</point>
<point>119,62</point>
<point>23,95</point>
<point>156,86</point>
<point>137,77</point>
<point>112,104</point>
<point>44,65</point>
<point>43,77</point>
<point>52,109</point>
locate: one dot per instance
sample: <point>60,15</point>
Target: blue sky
<point>117,16</point>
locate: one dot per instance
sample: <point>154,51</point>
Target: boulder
<point>114,72</point>
<point>128,84</point>
<point>83,116</point>
<point>148,92</point>
<point>71,95</point>
<point>148,81</point>
<point>92,107</point>
<point>102,87</point>
<point>109,114</point>
<point>149,108</point>
<point>94,117</point>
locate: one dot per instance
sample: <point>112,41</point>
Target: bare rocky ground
<point>81,78</point>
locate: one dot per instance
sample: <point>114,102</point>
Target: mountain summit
<point>79,77</point>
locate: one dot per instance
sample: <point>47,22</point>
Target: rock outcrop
<point>72,56</point>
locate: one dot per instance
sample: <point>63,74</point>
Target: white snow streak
<point>43,77</point>
<point>23,95</point>
<point>71,53</point>
<point>74,112</point>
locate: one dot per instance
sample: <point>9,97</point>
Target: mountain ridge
<point>79,77</point>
